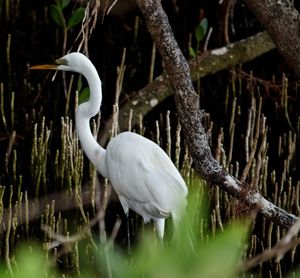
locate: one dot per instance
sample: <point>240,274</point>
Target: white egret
<point>141,173</point>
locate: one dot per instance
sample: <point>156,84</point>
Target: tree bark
<point>282,22</point>
<point>187,103</point>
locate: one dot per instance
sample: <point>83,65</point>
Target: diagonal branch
<point>187,102</point>
<point>288,242</point>
<point>205,64</point>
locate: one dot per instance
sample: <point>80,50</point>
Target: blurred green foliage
<point>182,254</point>
<point>30,262</point>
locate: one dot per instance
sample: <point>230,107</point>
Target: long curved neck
<point>94,152</point>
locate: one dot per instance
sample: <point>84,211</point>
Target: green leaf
<point>63,3</point>
<point>57,16</point>
<point>84,95</point>
<point>204,24</point>
<point>76,17</point>
<point>201,30</point>
<point>192,52</point>
<point>222,254</point>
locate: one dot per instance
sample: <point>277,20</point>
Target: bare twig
<point>254,143</point>
<point>279,250</point>
<point>210,30</point>
<point>111,6</point>
<point>11,142</point>
<point>61,239</point>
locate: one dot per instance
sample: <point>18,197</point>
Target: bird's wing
<point>166,191</point>
<point>141,172</point>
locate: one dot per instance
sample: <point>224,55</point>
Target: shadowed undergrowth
<point>59,218</point>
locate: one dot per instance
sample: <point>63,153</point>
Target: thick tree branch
<point>187,102</point>
<point>282,22</point>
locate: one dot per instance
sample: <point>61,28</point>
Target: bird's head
<point>79,63</point>
<point>73,61</point>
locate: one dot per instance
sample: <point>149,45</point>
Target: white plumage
<point>141,173</point>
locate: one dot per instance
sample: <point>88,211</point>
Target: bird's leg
<point>160,227</point>
<point>126,211</point>
<point>128,232</point>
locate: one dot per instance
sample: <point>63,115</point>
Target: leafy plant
<point>58,16</point>
<point>201,30</point>
<point>56,12</point>
<point>200,33</point>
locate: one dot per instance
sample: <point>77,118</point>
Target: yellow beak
<point>44,67</point>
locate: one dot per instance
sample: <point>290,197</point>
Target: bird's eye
<point>61,62</point>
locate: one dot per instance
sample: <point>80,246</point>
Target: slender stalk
<point>2,106</point>
<point>7,234</point>
<point>152,62</point>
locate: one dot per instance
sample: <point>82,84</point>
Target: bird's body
<point>141,173</point>
<point>136,161</point>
